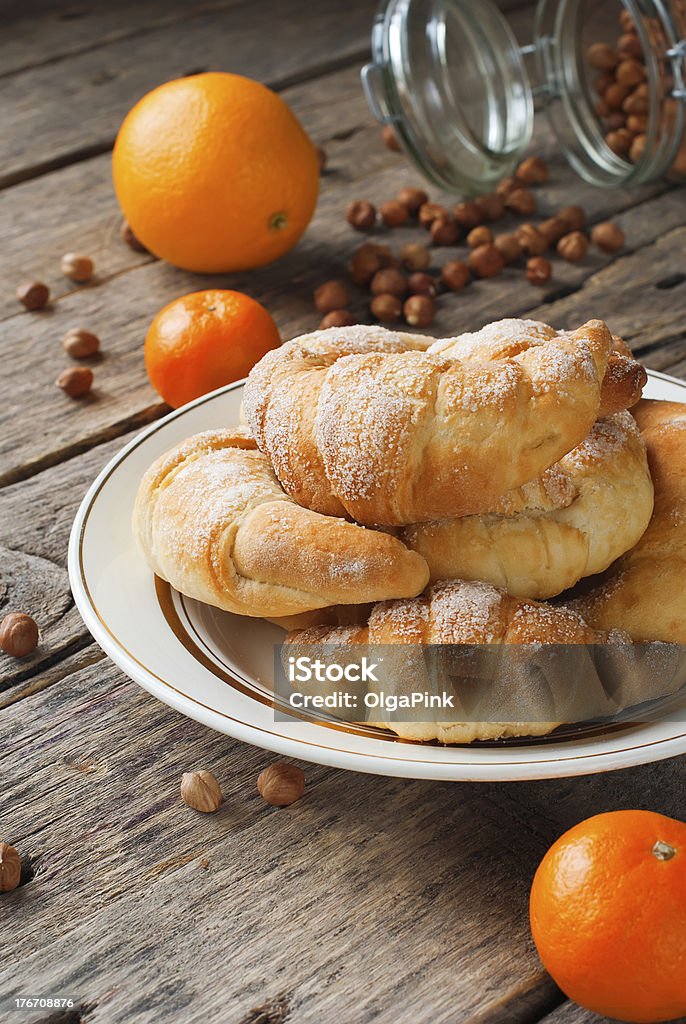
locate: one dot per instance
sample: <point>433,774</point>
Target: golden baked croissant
<point>213,520</point>
<point>530,681</point>
<point>396,437</point>
<point>542,550</point>
<point>645,591</point>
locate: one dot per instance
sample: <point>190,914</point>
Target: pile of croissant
<point>456,486</point>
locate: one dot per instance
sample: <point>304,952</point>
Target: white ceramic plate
<point>217,668</point>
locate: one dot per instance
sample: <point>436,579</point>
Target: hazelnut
<point>79,344</point>
<point>423,284</point>
<point>507,185</point>
<point>573,216</point>
<point>602,57</point>
<point>615,95</point>
<point>637,123</point>
<point>419,310</point>
<point>455,275</point>
<point>393,213</point>
<point>415,256</point>
<point>521,201</point>
<point>337,318</point>
<point>412,198</point>
<point>429,212</point>
<point>573,247</point>
<point>630,72</point>
<point>331,295</point>
<point>619,141</point>
<point>614,120</point>
<point>33,295</point>
<point>361,215</point>
<point>538,270</point>
<point>629,45</point>
<point>509,248</point>
<point>76,267</point>
<point>601,108</point>
<point>322,158</point>
<point>467,215</point>
<point>389,282</point>
<point>638,147</point>
<point>553,229</point>
<point>533,171</point>
<point>18,634</point>
<point>601,83</point>
<point>201,791</point>
<point>128,236</point>
<point>491,206</point>
<point>390,139</point>
<point>486,261</point>
<point>386,308</point>
<point>75,382</point>
<point>281,784</point>
<point>444,231</point>
<point>626,21</point>
<point>10,868</point>
<point>532,241</point>
<point>638,102</point>
<point>607,236</point>
<point>367,260</point>
<point>479,236</point>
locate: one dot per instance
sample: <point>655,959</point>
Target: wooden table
<point>371,899</point>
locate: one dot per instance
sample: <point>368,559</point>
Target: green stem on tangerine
<point>663,851</point>
<point>278,221</point>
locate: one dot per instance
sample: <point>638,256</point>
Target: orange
<point>608,915</point>
<point>205,340</point>
<point>215,173</point>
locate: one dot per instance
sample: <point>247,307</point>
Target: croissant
<point>397,433</point>
<point>213,521</point>
<point>644,590</point>
<point>509,681</point>
<point>604,496</point>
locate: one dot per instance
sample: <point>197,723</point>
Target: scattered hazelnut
<point>386,308</point>
<point>509,248</point>
<point>331,295</point>
<point>538,270</point>
<point>126,232</point>
<point>415,256</point>
<point>444,231</point>
<point>337,318</point>
<point>638,147</point>
<point>491,206</point>
<point>429,212</point>
<point>602,57</point>
<point>389,282</point>
<point>486,261</point>
<point>479,236</point>
<point>281,784</point>
<point>533,171</point>
<point>10,868</point>
<point>553,229</point>
<point>630,72</point>
<point>18,634</point>
<point>76,267</point>
<point>322,158</point>
<point>629,45</point>
<point>423,284</point>
<point>467,215</point>
<point>455,275</point>
<point>75,382</point>
<point>607,236</point>
<point>619,141</point>
<point>361,215</point>
<point>573,216</point>
<point>33,295</point>
<point>507,185</point>
<point>393,213</point>
<point>615,95</point>
<point>201,791</point>
<point>79,344</point>
<point>573,247</point>
<point>412,198</point>
<point>367,260</point>
<point>521,201</point>
<point>419,310</point>
<point>532,241</point>
<point>390,139</point>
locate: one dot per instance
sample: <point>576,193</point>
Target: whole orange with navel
<point>205,340</point>
<point>215,173</point>
<point>608,915</point>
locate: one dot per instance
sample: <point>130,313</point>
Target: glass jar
<point>452,80</point>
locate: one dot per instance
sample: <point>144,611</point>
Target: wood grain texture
<point>570,1013</point>
<point>370,899</point>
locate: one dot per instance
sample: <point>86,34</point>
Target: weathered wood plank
<point>56,111</point>
<point>570,1013</point>
<point>422,887</point>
